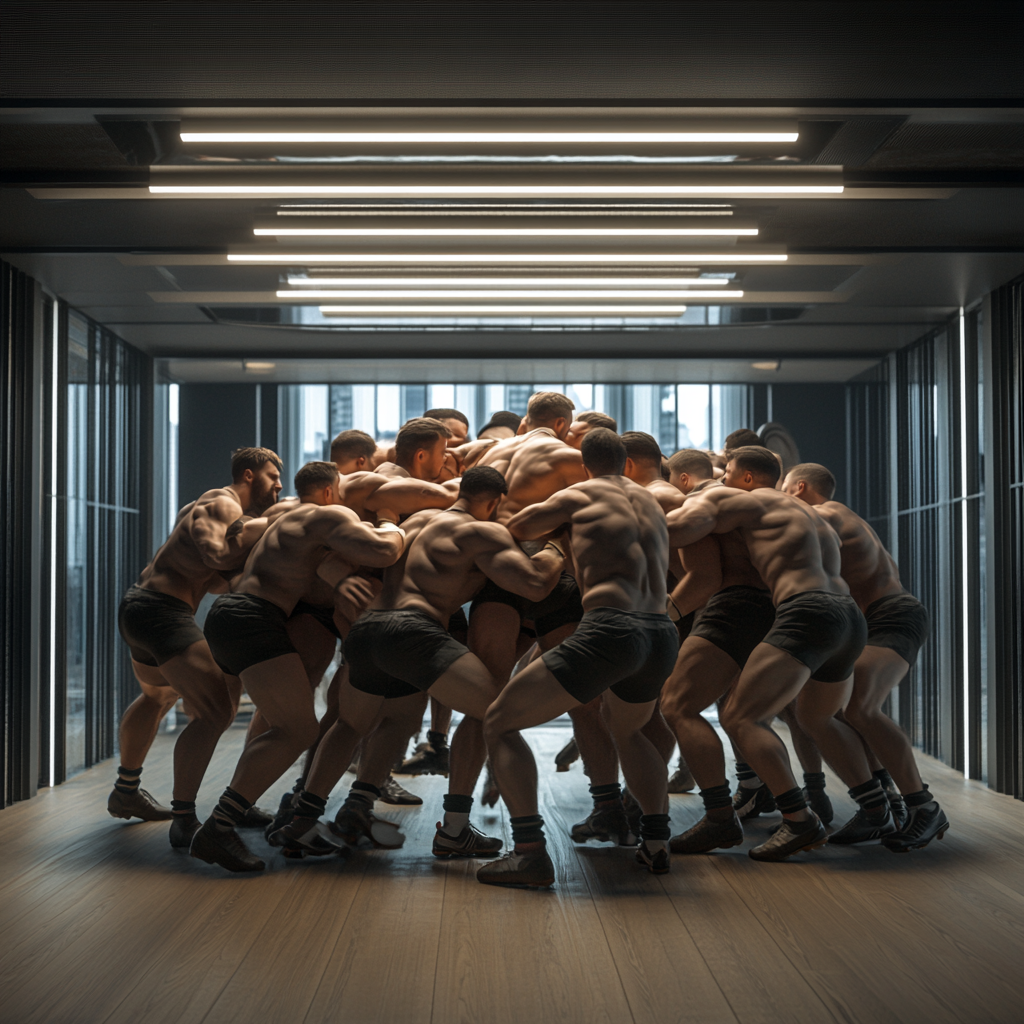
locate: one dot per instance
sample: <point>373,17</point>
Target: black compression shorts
<point>244,630</point>
<point>736,620</point>
<point>561,607</point>
<point>630,653</point>
<point>324,615</point>
<point>458,625</point>
<point>827,632</point>
<point>155,626</point>
<point>900,623</point>
<point>684,626</point>
<point>399,653</point>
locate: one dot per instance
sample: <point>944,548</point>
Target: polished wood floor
<point>100,921</point>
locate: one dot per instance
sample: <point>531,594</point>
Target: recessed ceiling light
<point>510,293</point>
<point>499,232</point>
<point>470,138</point>
<point>782,191</point>
<point>511,282</point>
<point>502,310</point>
<point>257,367</point>
<point>767,365</point>
<point>508,257</point>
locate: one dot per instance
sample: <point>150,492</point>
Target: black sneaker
<point>818,801</point>
<point>183,828</point>
<point>256,817</point>
<point>925,825</point>
<point>681,780</point>
<point>633,814</point>
<point>533,870</point>
<point>861,830</point>
<point>751,803</point>
<point>786,840</point>
<point>567,755</point>
<point>139,804</point>
<point>656,863</point>
<point>602,825</point>
<point>708,835</point>
<point>301,838</point>
<point>427,760</point>
<point>350,824</point>
<point>392,793</point>
<point>223,846</point>
<point>285,813</point>
<point>470,842</point>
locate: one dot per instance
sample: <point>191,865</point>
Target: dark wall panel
<point>213,420</point>
<point>815,414</point>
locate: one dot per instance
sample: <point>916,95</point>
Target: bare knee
<point>860,715</point>
<point>494,726</point>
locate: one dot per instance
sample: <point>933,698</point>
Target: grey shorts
<point>827,632</point>
<point>155,626</point>
<point>629,653</point>
<point>900,623</point>
<point>736,620</point>
<point>243,630</point>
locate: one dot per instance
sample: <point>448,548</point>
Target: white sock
<point>454,822</point>
<point>754,783</point>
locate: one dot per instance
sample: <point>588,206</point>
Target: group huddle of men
<point>603,580</point>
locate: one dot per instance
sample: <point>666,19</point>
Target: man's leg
<point>493,633</point>
<point>810,761</point>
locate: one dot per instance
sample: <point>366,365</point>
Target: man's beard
<point>259,502</point>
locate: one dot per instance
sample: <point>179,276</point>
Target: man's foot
<point>427,760</point>
<point>681,780</point>
<point>285,813</point>
<point>491,794</point>
<point>633,813</point>
<point>603,825</point>
<point>533,869</point>
<point>925,825</point>
<point>567,755</point>
<point>256,817</point>
<point>750,803</point>
<point>860,830</point>
<point>656,863</point>
<point>223,846</point>
<point>183,828</point>
<point>350,824</point>
<point>789,838</point>
<point>139,804</point>
<point>818,801</point>
<point>470,842</point>
<point>392,793</point>
<point>300,839</point>
<point>708,835</point>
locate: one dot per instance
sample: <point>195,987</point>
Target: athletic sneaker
<point>602,825</point>
<point>633,814</point>
<point>898,806</point>
<point>349,824</point>
<point>681,780</point>
<point>183,828</point>
<point>392,793</point>
<point>301,839</point>
<point>925,825</point>
<point>860,830</point>
<point>567,755</point>
<point>530,869</point>
<point>139,804</point>
<point>426,760</point>
<point>285,813</point>
<point>751,803</point>
<point>656,863</point>
<point>818,801</point>
<point>223,846</point>
<point>708,835</point>
<point>256,817</point>
<point>470,842</point>
<point>787,840</point>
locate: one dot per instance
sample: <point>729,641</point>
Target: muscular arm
<point>717,510</point>
<point>703,577</point>
<point>362,544</point>
<point>403,497</point>
<point>547,516</point>
<point>467,454</point>
<point>209,533</point>
<point>504,562</point>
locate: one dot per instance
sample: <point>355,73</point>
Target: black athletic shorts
<point>900,623</point>
<point>684,626</point>
<point>324,615</point>
<point>458,625</point>
<point>243,631</point>
<point>399,653</point>
<point>561,607</point>
<point>736,620</point>
<point>156,627</point>
<point>629,653</point>
<point>824,631</point>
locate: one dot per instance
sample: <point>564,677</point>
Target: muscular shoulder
<point>361,482</point>
<point>219,503</point>
<point>667,496</point>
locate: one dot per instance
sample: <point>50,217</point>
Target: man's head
<point>643,457</point>
<point>587,421</point>
<point>317,483</point>
<point>353,451</point>
<point>548,409</point>
<point>258,469</point>
<point>741,438</point>
<point>500,426</point>
<point>750,467</point>
<point>419,447</point>
<point>481,489</point>
<point>454,420</point>
<point>811,482</point>
<point>689,468</point>
<point>603,452</point>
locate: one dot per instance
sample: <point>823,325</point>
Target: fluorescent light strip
<point>503,232</point>
<point>54,463</point>
<point>530,293</point>
<point>489,137</point>
<point>964,559</point>
<point>512,282</point>
<point>503,310</point>
<point>496,190</point>
<point>511,257</point>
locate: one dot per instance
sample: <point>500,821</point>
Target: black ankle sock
<point>362,795</point>
<point>611,793</point>
<point>309,805</point>
<point>127,779</point>
<point>871,798</point>
<point>183,808</point>
<point>884,778</point>
<point>230,809</point>
<point>918,799</point>
<point>791,802</point>
<point>300,785</point>
<point>716,797</point>
<point>457,803</point>
<point>814,780</point>
<point>744,771</point>
<point>438,740</point>
<point>655,826</point>
<point>527,829</point>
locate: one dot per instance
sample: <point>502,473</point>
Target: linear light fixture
<point>492,137</point>
<point>499,232</point>
<point>511,282</point>
<point>567,191</point>
<point>511,293</point>
<point>507,257</point>
<point>503,310</point>
<point>965,559</point>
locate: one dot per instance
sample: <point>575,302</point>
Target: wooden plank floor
<point>100,921</point>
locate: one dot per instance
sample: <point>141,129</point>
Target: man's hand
<point>353,596</point>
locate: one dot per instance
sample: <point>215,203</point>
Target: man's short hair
<point>641,447</point>
<point>315,475</point>
<point>692,462</point>
<point>758,461</point>
<point>742,438</point>
<point>482,482</point>
<point>504,418</point>
<point>353,444</point>
<point>446,414</point>
<point>817,475</point>
<point>545,407</point>
<point>417,434</point>
<point>603,452</point>
<point>252,458</point>
<point>599,419</point>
